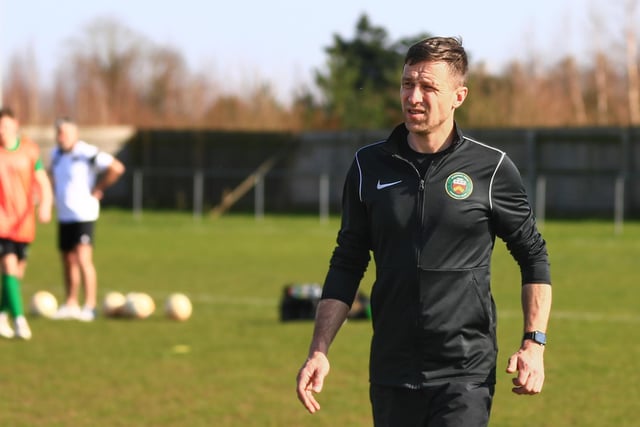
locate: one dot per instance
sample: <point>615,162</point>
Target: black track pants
<point>447,405</point>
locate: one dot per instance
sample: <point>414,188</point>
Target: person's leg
<point>71,271</point>
<point>4,298</point>
<point>88,271</point>
<point>13,265</point>
<point>461,405</point>
<point>11,285</point>
<point>89,279</point>
<point>22,268</point>
<point>398,406</point>
<point>8,267</point>
<point>6,330</point>
<point>67,241</point>
<point>84,250</point>
<point>71,274</point>
<point>7,250</point>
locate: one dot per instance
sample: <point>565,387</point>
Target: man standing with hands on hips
<point>81,173</point>
<point>428,203</point>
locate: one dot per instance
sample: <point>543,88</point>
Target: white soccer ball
<point>178,307</point>
<point>138,305</point>
<point>113,304</point>
<point>43,304</point>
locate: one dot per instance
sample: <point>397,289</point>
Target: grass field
<point>234,364</point>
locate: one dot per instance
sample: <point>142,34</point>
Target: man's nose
<point>415,95</point>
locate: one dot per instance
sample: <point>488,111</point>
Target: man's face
<point>429,94</point>
<point>8,131</point>
<point>66,136</point>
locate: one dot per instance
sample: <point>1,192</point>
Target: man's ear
<point>461,95</point>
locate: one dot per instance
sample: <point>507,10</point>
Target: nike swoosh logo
<point>380,186</point>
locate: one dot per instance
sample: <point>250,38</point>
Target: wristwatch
<point>536,336</point>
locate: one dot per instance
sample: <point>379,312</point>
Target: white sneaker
<point>87,314</point>
<point>23,330</point>
<point>6,330</point>
<point>66,312</point>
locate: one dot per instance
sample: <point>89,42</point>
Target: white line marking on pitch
<point>587,316</point>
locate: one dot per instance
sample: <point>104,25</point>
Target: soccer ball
<point>43,304</point>
<point>113,304</point>
<point>178,307</point>
<point>138,305</point>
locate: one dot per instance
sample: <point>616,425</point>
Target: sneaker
<point>66,312</point>
<point>87,314</point>
<point>23,330</point>
<point>6,330</point>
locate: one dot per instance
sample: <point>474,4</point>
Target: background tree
<point>633,78</point>
<point>164,87</point>
<point>110,74</point>
<point>361,84</point>
<point>486,105</point>
<point>100,72</point>
<point>22,85</point>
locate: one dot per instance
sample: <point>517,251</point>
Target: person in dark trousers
<point>428,203</point>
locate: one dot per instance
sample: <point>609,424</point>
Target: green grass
<point>241,365</point>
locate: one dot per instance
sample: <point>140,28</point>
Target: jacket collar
<point>400,133</point>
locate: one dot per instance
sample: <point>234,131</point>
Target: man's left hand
<point>528,363</point>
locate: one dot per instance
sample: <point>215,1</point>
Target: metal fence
<point>200,191</point>
<point>568,172</point>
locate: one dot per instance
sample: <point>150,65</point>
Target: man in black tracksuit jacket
<point>430,219</point>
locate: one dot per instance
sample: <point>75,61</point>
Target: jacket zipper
<point>421,209</point>
<point>421,187</point>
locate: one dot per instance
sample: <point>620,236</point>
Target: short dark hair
<point>440,49</point>
<point>63,120</point>
<point>7,112</point>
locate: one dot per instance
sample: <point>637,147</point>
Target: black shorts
<point>20,249</point>
<point>448,405</point>
<point>71,234</point>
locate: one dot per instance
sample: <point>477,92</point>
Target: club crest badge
<point>458,186</point>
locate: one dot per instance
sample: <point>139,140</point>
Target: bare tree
<point>602,100</point>
<point>22,86</point>
<point>200,92</point>
<point>164,86</point>
<point>112,75</point>
<point>601,63</point>
<point>573,79</point>
<point>530,98</point>
<point>632,64</point>
<point>102,65</point>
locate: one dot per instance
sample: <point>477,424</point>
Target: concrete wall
<point>110,139</point>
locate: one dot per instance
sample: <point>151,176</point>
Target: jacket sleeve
<point>514,222</point>
<point>351,256</point>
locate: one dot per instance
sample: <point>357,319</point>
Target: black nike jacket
<point>434,318</point>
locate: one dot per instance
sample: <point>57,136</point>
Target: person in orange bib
<point>24,184</point>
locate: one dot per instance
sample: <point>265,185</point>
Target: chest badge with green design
<point>458,186</point>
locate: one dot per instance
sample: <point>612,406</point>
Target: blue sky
<point>283,41</point>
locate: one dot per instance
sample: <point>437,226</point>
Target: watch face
<point>539,337</point>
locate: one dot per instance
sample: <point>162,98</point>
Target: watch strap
<point>536,336</point>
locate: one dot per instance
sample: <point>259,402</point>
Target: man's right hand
<point>310,380</point>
